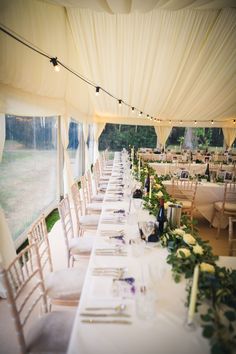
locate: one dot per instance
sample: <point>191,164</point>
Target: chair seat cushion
<point>65,284</point>
<point>96,207</point>
<point>88,220</point>
<point>97,197</point>
<point>81,245</point>
<point>229,207</point>
<point>51,333</point>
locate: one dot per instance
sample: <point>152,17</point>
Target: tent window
<point>28,171</point>
<point>75,148</point>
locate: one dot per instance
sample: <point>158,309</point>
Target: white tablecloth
<point>194,168</point>
<point>165,333</point>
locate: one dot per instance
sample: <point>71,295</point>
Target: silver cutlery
<point>110,253</point>
<point>91,321</point>
<point>91,314</point>
<point>118,308</point>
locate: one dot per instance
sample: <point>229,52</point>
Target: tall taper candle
<point>150,189</point>
<point>193,295</point>
<point>139,169</point>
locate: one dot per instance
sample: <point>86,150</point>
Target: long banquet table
<point>162,330</point>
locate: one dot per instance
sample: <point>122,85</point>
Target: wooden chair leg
<point>219,226</point>
<point>212,218</point>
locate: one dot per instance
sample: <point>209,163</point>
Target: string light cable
<point>57,64</point>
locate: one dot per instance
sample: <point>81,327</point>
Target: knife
<point>106,321</point>
<point>91,314</point>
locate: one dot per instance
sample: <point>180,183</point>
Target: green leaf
<point>206,318</point>
<point>208,331</point>
<point>230,315</point>
<point>219,348</point>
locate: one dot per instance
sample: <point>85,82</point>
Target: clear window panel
<point>28,171</point>
<point>75,149</point>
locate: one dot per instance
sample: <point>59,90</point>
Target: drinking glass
<point>145,301</point>
<point>148,228</point>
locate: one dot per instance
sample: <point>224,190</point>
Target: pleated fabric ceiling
<point>172,60</point>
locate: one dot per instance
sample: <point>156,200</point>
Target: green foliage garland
<point>216,285</point>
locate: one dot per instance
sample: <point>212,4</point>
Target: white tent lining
<point>191,78</point>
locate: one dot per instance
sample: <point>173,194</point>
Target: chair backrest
<point>96,174</point>
<point>39,235</point>
<point>25,289</point>
<point>85,191</point>
<point>184,189</point>
<point>229,193</point>
<point>78,205</point>
<point>67,223</point>
<point>90,184</point>
<point>232,237</point>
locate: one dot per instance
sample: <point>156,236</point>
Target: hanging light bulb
<point>132,109</point>
<point>140,113</point>
<point>234,121</point>
<point>212,122</point>
<point>181,122</point>
<point>169,121</point>
<point>97,90</point>
<point>158,121</point>
<point>119,101</point>
<point>195,122</point>
<point>55,64</point>
<point>147,116</point>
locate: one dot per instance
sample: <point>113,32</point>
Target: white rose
<point>179,232</point>
<point>184,251</point>
<point>160,194</point>
<point>206,267</point>
<point>189,239</point>
<point>197,249</point>
<point>167,204</point>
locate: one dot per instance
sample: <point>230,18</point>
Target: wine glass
<point>148,228</point>
<point>137,203</point>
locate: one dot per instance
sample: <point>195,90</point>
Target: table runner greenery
<point>216,285</point>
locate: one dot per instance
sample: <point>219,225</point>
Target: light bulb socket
<point>55,63</point>
<point>97,90</point>
<point>119,101</point>
<point>132,109</point>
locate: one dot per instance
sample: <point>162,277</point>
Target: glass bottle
<point>161,218</point>
<point>207,173</point>
<point>147,184</point>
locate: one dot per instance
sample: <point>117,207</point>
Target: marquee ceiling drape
<point>173,60</point>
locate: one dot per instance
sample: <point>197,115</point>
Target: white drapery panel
<point>174,65</point>
<point>229,136</point>
<point>7,248</point>
<point>190,78</point>
<point>2,133</point>
<point>98,129</point>
<point>67,172</point>
<point>85,134</point>
<point>127,6</point>
<point>162,134</point>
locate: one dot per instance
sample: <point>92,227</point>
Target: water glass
<point>145,303</point>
